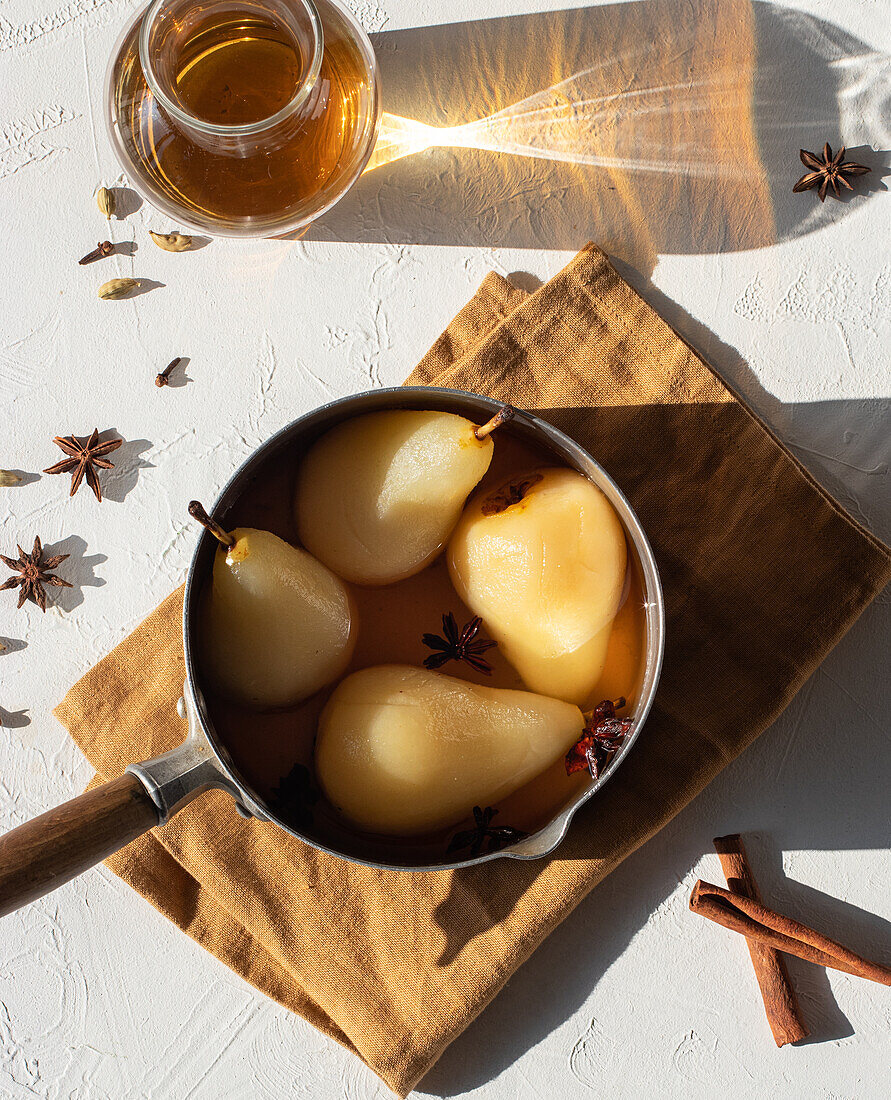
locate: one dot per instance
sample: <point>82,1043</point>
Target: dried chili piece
<point>602,738</point>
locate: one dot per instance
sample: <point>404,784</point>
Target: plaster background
<point>99,996</point>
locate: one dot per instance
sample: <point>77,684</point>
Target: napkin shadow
<point>690,148</point>
<point>563,971</point>
<point>755,794</point>
<point>845,444</point>
<point>828,750</point>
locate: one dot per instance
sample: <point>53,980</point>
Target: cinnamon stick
<point>780,1002</point>
<point>755,921</point>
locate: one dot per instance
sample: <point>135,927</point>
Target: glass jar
<point>243,118</point>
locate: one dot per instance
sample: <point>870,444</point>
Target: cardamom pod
<point>7,477</point>
<point>172,242</point>
<point>117,288</point>
<point>106,201</point>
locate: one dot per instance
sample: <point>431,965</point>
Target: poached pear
<point>403,751</point>
<point>378,496</point>
<point>543,561</point>
<point>278,625</point>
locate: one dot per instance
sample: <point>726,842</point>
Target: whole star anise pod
<point>604,734</point>
<point>458,645</point>
<point>484,833</point>
<point>33,574</point>
<point>828,172</point>
<point>84,457</point>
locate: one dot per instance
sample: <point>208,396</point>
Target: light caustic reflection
<point>658,129</point>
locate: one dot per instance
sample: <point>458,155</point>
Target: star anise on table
<point>85,456</point>
<point>485,834</point>
<point>603,736</point>
<point>33,570</point>
<point>828,172</point>
<point>458,645</point>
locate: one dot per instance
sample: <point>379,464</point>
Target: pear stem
<point>504,414</point>
<point>196,511</point>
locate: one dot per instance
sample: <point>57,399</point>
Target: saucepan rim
<point>546,839</point>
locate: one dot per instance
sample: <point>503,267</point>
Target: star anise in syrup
<point>458,645</point>
<point>484,834</point>
<point>603,736</point>
<point>295,796</point>
<point>828,172</point>
<point>33,570</point>
<point>85,456</point>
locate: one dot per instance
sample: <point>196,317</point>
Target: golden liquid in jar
<point>235,70</point>
<point>264,746</point>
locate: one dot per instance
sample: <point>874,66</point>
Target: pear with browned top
<point>379,495</point>
<point>277,624</point>
<point>543,561</point>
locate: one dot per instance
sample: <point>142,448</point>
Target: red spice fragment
<point>603,736</point>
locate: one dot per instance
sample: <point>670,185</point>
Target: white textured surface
<point>99,996</point>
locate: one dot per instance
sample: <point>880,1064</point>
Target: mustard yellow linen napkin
<point>763,573</point>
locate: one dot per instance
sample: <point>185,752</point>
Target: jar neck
<point>169,28</point>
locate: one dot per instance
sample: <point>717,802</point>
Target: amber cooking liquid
<point>392,618</point>
<point>231,71</point>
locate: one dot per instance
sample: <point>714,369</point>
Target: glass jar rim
<point>245,128</point>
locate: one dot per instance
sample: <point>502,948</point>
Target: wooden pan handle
<point>44,853</point>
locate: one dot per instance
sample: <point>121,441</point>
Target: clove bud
<point>103,248</point>
<point>117,288</point>
<point>163,378</point>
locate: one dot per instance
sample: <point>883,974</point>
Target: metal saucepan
<point>45,853</point>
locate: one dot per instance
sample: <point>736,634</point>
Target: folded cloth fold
<point>763,573</point>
